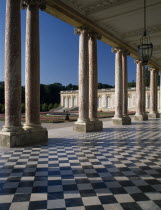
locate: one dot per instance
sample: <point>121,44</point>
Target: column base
<point>22,138</point>
<point>97,125</point>
<point>126,120</point>
<point>33,127</point>
<point>154,115</point>
<point>141,117</point>
<point>145,116</point>
<point>89,126</point>
<point>120,121</point>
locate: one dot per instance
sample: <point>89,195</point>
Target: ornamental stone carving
<point>79,30</point>
<point>93,34</point>
<point>41,4</point>
<point>117,49</point>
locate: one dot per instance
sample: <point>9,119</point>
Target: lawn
<point>55,119</point>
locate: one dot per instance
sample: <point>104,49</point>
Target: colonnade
<point>88,79</point>
<point>13,133</point>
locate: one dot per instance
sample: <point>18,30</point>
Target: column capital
<point>41,4</point>
<point>137,61</point>
<point>152,69</point>
<point>117,49</point>
<point>81,29</point>
<point>93,34</point>
<point>125,52</point>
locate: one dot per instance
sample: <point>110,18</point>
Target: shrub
<point>2,108</point>
<point>50,106</point>
<point>44,107</point>
<point>23,108</point>
<point>56,105</point>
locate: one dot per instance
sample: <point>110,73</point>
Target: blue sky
<point>59,52</point>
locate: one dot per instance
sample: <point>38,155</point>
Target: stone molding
<point>41,4</point>
<point>91,34</point>
<point>152,69</point>
<point>80,30</point>
<point>137,61</point>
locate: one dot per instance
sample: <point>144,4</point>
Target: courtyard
<point>117,168</point>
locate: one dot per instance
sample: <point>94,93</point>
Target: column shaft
<point>127,119</point>
<point>93,77</point>
<point>83,77</point>
<point>145,116</point>
<point>160,94</point>
<point>156,91</point>
<point>138,88</point>
<point>12,67</point>
<point>153,94</point>
<point>125,90</point>
<point>118,85</point>
<point>152,91</point>
<point>32,68</point>
<point>118,117</point>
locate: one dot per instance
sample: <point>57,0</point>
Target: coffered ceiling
<point>120,22</point>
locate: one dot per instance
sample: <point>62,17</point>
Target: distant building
<point>106,99</point>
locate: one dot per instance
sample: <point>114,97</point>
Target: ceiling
<point>120,22</point>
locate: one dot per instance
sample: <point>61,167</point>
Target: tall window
<point>148,102</point>
<point>64,101</point>
<point>69,103</point>
<point>74,101</point>
<point>129,102</point>
<point>99,102</point>
<point>108,102</point>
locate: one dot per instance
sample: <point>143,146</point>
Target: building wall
<point>106,99</point>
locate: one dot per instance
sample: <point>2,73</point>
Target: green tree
<point>56,105</point>
<point>132,84</point>
<point>44,107</point>
<point>50,106</point>
<point>2,109</point>
<point>103,86</point>
<point>22,108</point>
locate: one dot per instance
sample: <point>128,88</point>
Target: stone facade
<point>106,99</point>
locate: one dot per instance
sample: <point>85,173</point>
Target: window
<point>99,102</point>
<point>108,102</point>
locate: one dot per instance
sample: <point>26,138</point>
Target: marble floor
<point>118,168</point>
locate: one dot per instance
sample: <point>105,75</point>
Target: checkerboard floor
<point>118,168</point>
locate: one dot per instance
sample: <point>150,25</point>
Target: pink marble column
<point>118,117</point>
<point>12,67</point>
<point>153,94</point>
<point>127,119</point>
<point>83,120</point>
<point>156,92</point>
<point>93,80</point>
<point>139,116</point>
<point>83,75</point>
<point>145,116</point>
<point>93,76</point>
<point>32,79</point>
<point>160,95</point>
